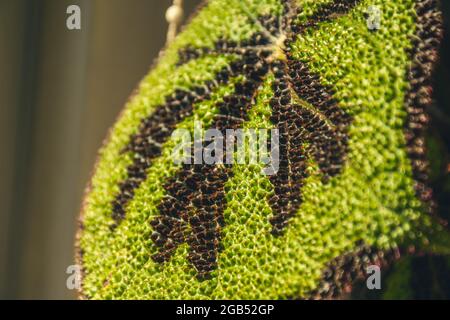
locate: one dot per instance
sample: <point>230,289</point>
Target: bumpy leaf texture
<point>351,102</point>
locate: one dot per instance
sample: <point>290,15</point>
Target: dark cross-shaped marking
<point>310,122</point>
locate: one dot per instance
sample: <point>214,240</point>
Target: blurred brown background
<point>60,91</point>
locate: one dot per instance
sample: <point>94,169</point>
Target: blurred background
<point>60,91</point>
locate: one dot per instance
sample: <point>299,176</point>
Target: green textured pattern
<point>371,200</point>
